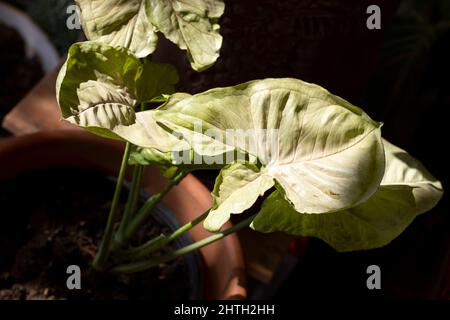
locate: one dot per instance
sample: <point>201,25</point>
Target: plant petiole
<point>147,264</point>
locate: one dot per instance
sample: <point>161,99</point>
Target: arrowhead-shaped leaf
<point>133,24</point>
<point>100,86</point>
<point>407,190</point>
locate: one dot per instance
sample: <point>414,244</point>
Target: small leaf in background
<point>407,190</point>
<point>192,25</point>
<point>134,24</point>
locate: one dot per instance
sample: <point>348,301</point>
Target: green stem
<point>131,205</point>
<point>147,264</point>
<point>105,245</point>
<point>148,207</point>
<point>161,241</point>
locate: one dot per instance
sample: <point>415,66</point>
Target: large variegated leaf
<point>120,23</point>
<point>325,153</point>
<point>133,24</point>
<point>407,190</point>
<point>100,86</point>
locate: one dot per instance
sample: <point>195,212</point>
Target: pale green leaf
<point>407,190</point>
<point>192,25</point>
<point>100,86</point>
<point>325,153</point>
<point>120,23</point>
<point>237,188</point>
<point>133,24</point>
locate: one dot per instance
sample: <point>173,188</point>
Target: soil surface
<point>54,219</point>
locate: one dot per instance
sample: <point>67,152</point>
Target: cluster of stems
<point>115,245</point>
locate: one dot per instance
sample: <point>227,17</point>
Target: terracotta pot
<point>223,272</point>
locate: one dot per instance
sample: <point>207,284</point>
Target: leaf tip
<point>215,221</point>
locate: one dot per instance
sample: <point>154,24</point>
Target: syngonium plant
<point>319,162</point>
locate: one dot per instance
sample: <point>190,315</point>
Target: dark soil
<point>54,219</point>
<point>18,73</point>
